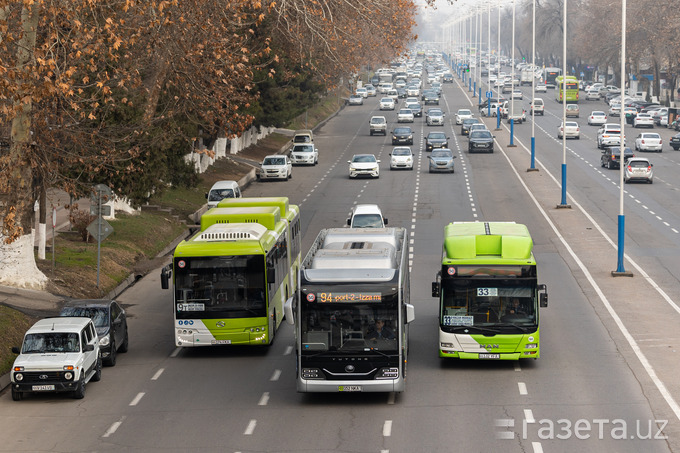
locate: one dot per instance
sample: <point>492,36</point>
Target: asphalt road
<point>605,380</point>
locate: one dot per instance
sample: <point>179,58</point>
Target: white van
<point>221,190</point>
<point>366,216</point>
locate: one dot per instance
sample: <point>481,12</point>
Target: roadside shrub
<point>80,220</point>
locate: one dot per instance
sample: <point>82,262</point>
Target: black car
<point>480,140</point>
<point>611,156</point>
<point>465,127</point>
<point>109,320</point>
<point>675,142</point>
<point>402,136</point>
<point>415,108</point>
<point>447,78</point>
<point>436,140</point>
<point>431,97</point>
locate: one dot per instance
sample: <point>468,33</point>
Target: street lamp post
<point>620,269</point>
<point>511,113</point>
<point>563,203</point>
<point>533,89</point>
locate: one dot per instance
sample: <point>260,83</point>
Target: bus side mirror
<point>288,310</point>
<point>435,289</point>
<point>544,295</point>
<point>385,220</point>
<point>166,273</point>
<point>410,313</point>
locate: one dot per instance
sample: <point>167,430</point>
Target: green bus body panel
<point>267,216</point>
<point>502,243</point>
<point>288,211</point>
<point>510,347</point>
<point>237,331</point>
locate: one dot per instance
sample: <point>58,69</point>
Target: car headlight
<point>105,340</point>
<point>68,376</point>
<point>19,377</point>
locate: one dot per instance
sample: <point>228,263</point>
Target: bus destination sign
<point>345,296</point>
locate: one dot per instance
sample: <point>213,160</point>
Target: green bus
<point>231,278</point>
<point>571,90</point>
<point>488,291</point>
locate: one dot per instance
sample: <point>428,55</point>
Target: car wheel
<point>97,370</point>
<point>290,175</point>
<point>124,347</point>
<point>371,132</point>
<point>79,392</point>
<point>651,181</point>
<point>17,395</point>
<point>111,360</point>
<point>609,165</point>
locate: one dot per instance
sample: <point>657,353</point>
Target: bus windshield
<point>220,287</point>
<point>350,327</point>
<point>487,303</point>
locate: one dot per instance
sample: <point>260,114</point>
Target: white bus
<point>352,311</point>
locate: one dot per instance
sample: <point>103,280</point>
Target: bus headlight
<point>446,345</point>
<point>531,346</point>
<point>387,373</point>
<point>312,373</point>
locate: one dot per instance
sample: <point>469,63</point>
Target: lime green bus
<point>231,278</point>
<point>571,90</point>
<point>488,291</point>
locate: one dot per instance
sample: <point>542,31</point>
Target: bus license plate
<point>349,388</point>
<point>42,388</point>
<point>489,356</point>
<point>221,342</point>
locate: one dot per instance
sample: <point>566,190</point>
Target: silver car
<point>401,157</point>
<point>441,160</point>
<point>638,169</point>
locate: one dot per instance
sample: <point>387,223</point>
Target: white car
<point>370,90</point>
<point>614,109</point>
<point>570,130</point>
<point>463,114</point>
<point>517,94</point>
<point>364,165</point>
<point>366,216</point>
<point>648,141</point>
<point>541,88</point>
<point>355,99</point>
<point>638,169</point>
<point>597,118</point>
<point>221,190</point>
<point>386,103</point>
<point>401,157</point>
<point>304,153</point>
<point>404,116</point>
<point>276,166</point>
<point>643,120</point>
<point>363,92</point>
<point>57,355</point>
<point>593,94</point>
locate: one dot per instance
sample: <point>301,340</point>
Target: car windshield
<point>401,152</point>
<point>480,134</point>
<point>303,149</point>
<point>367,221</point>
<point>364,158</point>
<point>442,154</point>
<point>99,315</point>
<point>436,136</point>
<point>464,112</point>
<point>377,121</point>
<point>40,343</point>
<point>404,112</point>
<point>402,130</point>
<point>274,161</point>
<point>638,163</point>
<point>214,195</point>
<point>470,121</point>
<point>598,114</point>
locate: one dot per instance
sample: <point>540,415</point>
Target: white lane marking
<point>522,388</point>
<point>538,448</point>
<point>250,428</point>
<point>264,399</point>
<point>158,374</point>
<point>137,399</point>
<point>175,352</point>
<point>675,407</point>
<point>114,427</point>
<point>517,367</point>
<point>529,416</point>
<point>288,350</point>
<point>276,375</point>
<point>392,396</point>
<point>387,428</point>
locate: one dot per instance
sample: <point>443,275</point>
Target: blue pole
<point>622,232</point>
<point>533,152</point>
<point>469,84</point>
<point>512,132</point>
<point>564,184</point>
<point>498,118</point>
<point>480,95</point>
<point>488,106</point>
<point>474,90</point>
